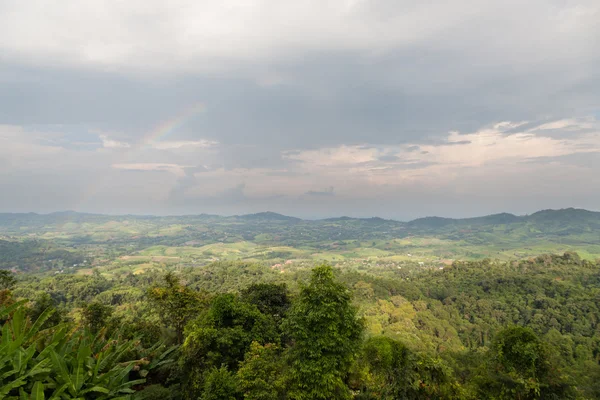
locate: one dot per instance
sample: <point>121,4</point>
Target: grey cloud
<point>285,173</point>
<point>320,193</point>
<point>188,181</point>
<point>354,109</point>
<point>447,143</point>
<point>234,194</point>
<point>413,165</point>
<point>388,158</point>
<point>585,160</point>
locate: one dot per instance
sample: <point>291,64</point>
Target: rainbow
<point>172,124</point>
<point>159,132</point>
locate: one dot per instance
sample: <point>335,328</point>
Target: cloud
<point>327,192</point>
<point>169,145</point>
<point>214,35</point>
<point>113,144</point>
<point>488,152</point>
<point>524,163</point>
<point>175,169</point>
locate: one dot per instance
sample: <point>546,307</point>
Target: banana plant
<point>18,365</point>
<point>83,372</point>
<point>61,363</point>
<point>146,366</point>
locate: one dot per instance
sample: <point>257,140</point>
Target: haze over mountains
<point>566,215</point>
<point>276,236</point>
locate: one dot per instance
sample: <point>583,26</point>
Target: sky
<point>390,108</point>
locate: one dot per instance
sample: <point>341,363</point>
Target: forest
<point>517,329</point>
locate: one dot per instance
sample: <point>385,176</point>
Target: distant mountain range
<point>566,215</point>
<point>499,235</point>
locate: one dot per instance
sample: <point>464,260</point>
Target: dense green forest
<point>265,306</point>
<point>521,329</point>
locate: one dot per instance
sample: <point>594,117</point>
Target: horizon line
<point>287,216</point>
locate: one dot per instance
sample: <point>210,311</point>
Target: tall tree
<point>325,334</point>
<point>220,384</point>
<point>221,336</point>
<point>261,374</point>
<point>391,371</point>
<point>270,298</point>
<point>521,369</point>
<point>176,304</point>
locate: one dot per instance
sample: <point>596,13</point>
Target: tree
<point>261,373</point>
<point>520,367</point>
<point>176,304</point>
<point>270,298</point>
<point>95,316</point>
<point>325,335</point>
<point>220,384</point>
<point>383,369</point>
<point>220,336</point>
<point>7,280</point>
<point>391,371</point>
<point>42,303</point>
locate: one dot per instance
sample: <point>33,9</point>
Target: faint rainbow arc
<point>158,132</point>
<point>166,127</point>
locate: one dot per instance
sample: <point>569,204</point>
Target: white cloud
<point>567,125</point>
<point>337,156</point>
<point>109,143</point>
<point>175,169</point>
<point>185,144</point>
<point>463,163</point>
<point>490,152</point>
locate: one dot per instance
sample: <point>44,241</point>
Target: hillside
<point>438,294</point>
<point>270,236</point>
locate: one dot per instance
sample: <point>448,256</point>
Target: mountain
<point>268,216</point>
<point>248,236</point>
<point>431,222</point>
<point>560,222</point>
<point>337,219</point>
<point>566,215</point>
<point>547,218</point>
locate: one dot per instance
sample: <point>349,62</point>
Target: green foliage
<point>42,303</point>
<point>261,374</point>
<point>520,352</point>
<point>325,335</point>
<point>221,335</point>
<point>432,332</point>
<point>95,316</point>
<point>387,369</point>
<point>520,368</point>
<point>220,384</point>
<point>176,304</point>
<point>155,392</point>
<point>271,299</point>
<point>7,280</point>
<point>60,364</point>
<point>30,255</point>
